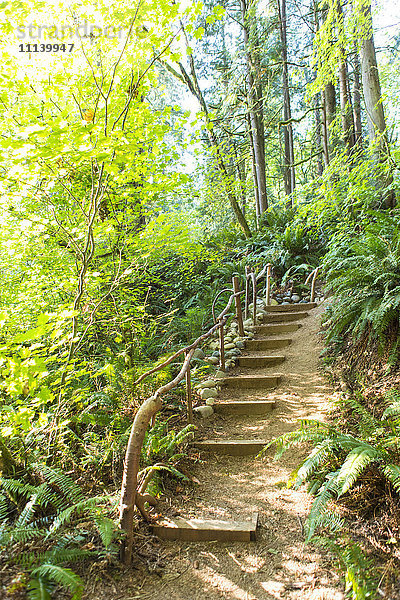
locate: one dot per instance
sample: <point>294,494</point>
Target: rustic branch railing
<point>131,496</point>
<point>253,278</point>
<point>268,285</point>
<point>313,278</point>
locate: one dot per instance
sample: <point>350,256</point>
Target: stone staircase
<point>246,393</point>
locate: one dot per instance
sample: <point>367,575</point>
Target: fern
<point>61,576</point>
<point>364,275</point>
<point>333,467</point>
<point>46,511</point>
<point>38,589</point>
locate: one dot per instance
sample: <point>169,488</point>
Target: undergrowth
<point>340,461</point>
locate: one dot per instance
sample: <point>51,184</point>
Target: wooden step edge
<point>276,358</point>
<point>291,307</point>
<point>291,316</point>
<point>207,530</point>
<point>238,380</point>
<point>270,342</point>
<point>232,447</point>
<point>245,407</point>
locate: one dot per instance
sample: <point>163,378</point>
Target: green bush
<point>363,272</point>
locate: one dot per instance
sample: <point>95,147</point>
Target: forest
<point>177,179</point>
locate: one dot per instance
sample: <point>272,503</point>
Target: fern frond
<point>392,472</point>
<point>61,576</point>
<point>107,530</point>
<point>356,462</point>
<point>38,589</point>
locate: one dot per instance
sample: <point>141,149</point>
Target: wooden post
<point>238,304</point>
<point>254,282</point>
<point>189,403</point>
<point>221,349</point>
<point>247,293</point>
<point>314,281</point>
<point>268,286</point>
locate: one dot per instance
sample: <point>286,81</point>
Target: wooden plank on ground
<point>232,447</point>
<point>245,407</point>
<point>206,530</point>
<point>260,361</point>
<point>250,381</point>
<point>291,307</point>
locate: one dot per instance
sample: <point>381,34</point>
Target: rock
<point>210,401</point>
<point>273,302</point>
<point>288,294</point>
<point>209,383</point>
<point>248,322</point>
<point>240,345</point>
<point>229,364</point>
<point>286,302</point>
<point>295,298</point>
<point>250,335</point>
<point>216,353</point>
<point>228,339</point>
<point>208,393</point>
<point>229,346</point>
<point>219,375</point>
<point>204,411</point>
<point>213,360</point>
<point>198,353</point>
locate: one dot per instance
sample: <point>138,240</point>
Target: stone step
<point>260,361</point>
<point>283,317</point>
<point>232,447</point>
<point>245,407</point>
<point>206,530</point>
<point>291,307</point>
<point>277,328</point>
<point>250,381</point>
<point>267,344</point>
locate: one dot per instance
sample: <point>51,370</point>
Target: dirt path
<point>278,565</point>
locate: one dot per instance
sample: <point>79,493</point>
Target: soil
<point>279,565</point>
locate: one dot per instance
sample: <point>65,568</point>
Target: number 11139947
<point>46,47</point>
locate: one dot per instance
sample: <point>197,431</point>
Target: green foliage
<point>332,469</point>
<point>363,272</point>
<point>50,523</point>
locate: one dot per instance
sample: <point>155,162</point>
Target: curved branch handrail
<point>131,496</point>
<point>193,345</point>
<point>313,278</point>
<point>215,301</point>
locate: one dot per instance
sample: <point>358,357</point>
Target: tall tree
<point>289,168</point>
<point>345,98</point>
<point>372,93</point>
<point>255,110</point>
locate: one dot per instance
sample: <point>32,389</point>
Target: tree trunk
<point>345,103</point>
<point>318,137</point>
<point>193,86</point>
<point>321,131</point>
<point>325,129</point>
<point>253,168</point>
<point>289,169</point>
<point>373,97</point>
<point>357,98</point>
<point>255,114</point>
